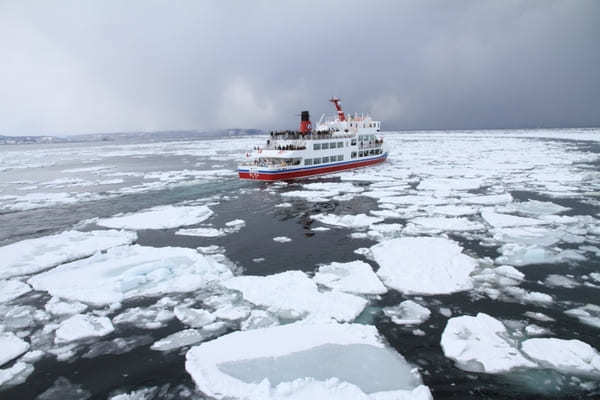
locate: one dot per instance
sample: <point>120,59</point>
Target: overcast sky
<point>71,67</point>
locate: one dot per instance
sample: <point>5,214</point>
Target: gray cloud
<point>98,66</point>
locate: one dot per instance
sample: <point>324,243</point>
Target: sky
<point>74,67</point>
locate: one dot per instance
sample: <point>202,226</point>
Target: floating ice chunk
<point>536,330</point>
<point>64,389</point>
<point>531,235</point>
<point>320,229</point>
<point>412,199</point>
<point>148,393</point>
<point>11,347</point>
<point>505,220</point>
<point>235,224</point>
<point>57,307</point>
<point>446,312</point>
<point>524,296</point>
<point>259,319</point>
<point>295,361</point>
<point>152,317</point>
<point>179,339</point>
<point>489,199</point>
<point>423,265</point>
<point>11,289</point>
<point>353,277</point>
<point>347,221</point>
<point>283,205</point>
<point>534,208</point>
<point>202,232</point>
<point>163,217</point>
<point>82,326</point>
<point>588,314</point>
<point>538,316</point>
<point>509,272</point>
<point>15,375</point>
<point>131,271</point>
<point>34,255</point>
<point>452,210</point>
<point>232,313</point>
<point>481,344</point>
<point>568,356</point>
<point>340,187</point>
<point>554,280</point>
<point>117,346</point>
<point>446,185</point>
<point>292,295</point>
<point>192,317</point>
<point>407,313</point>
<point>282,239</point>
<point>518,255</point>
<point>440,224</point>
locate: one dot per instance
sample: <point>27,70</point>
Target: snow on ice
<point>11,289</point>
<point>423,265</point>
<point>567,356</point>
<point>82,326</point>
<point>353,277</point>
<point>347,221</point>
<point>130,271</point>
<point>162,217</point>
<point>303,361</point>
<point>11,347</point>
<point>407,313</point>
<point>293,295</point>
<point>34,255</point>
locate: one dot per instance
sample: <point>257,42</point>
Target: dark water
<point>102,373</point>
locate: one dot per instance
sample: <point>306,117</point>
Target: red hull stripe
<point>262,175</point>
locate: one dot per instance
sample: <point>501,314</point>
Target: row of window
<point>366,153</point>
<point>323,160</point>
<point>325,146</point>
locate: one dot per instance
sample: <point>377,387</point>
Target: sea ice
<point>282,239</point>
<point>130,271</point>
<point>352,277</point>
<point>481,344</point>
<point>58,307</point>
<point>34,255</point>
<point>505,220</point>
<point>202,232</point>
<point>533,208</point>
<point>179,339</point>
<point>11,289</point>
<point>81,326</point>
<point>15,375</point>
<point>441,224</point>
<point>192,317</point>
<point>259,319</point>
<point>292,295</point>
<point>162,217</point>
<point>347,221</point>
<point>515,254</point>
<point>567,356</point>
<point>302,361</point>
<point>11,347</point>
<point>554,280</point>
<point>407,313</point>
<point>423,265</point>
<point>488,199</point>
<point>588,314</point>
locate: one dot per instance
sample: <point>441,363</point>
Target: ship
<point>338,143</point>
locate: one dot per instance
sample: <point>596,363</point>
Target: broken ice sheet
<point>162,217</point>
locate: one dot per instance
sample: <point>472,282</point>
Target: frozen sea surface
<point>449,271</point>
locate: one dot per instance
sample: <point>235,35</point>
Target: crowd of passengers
<point>263,163</point>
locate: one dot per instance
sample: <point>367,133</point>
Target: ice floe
<point>131,271</point>
<point>481,344</point>
<point>34,255</point>
<point>588,314</point>
<point>11,347</point>
<point>423,265</point>
<point>407,313</point>
<point>282,239</point>
<point>15,375</point>
<point>351,277</point>
<point>58,307</point>
<point>82,326</point>
<point>293,295</point>
<point>11,289</point>
<point>498,220</point>
<point>162,217</point>
<point>186,337</point>
<point>300,361</point>
<point>554,280</point>
<point>347,221</point>
<point>567,356</point>
<point>442,224</point>
<point>195,318</point>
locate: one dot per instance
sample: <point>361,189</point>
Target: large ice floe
<point>130,271</point>
<point>352,277</point>
<point>162,217</point>
<point>34,255</point>
<point>82,326</point>
<point>481,343</point>
<point>423,265</point>
<point>11,289</point>
<point>11,347</point>
<point>304,361</point>
<point>347,221</point>
<point>293,295</point>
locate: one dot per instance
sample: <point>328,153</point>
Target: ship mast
<point>338,107</point>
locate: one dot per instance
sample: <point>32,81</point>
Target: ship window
<point>317,146</point>
<point>340,157</point>
<point>325,146</point>
<point>340,145</point>
<point>316,161</point>
<point>353,155</point>
<point>325,160</point>
<point>308,161</point>
<point>361,154</point>
<point>353,142</point>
